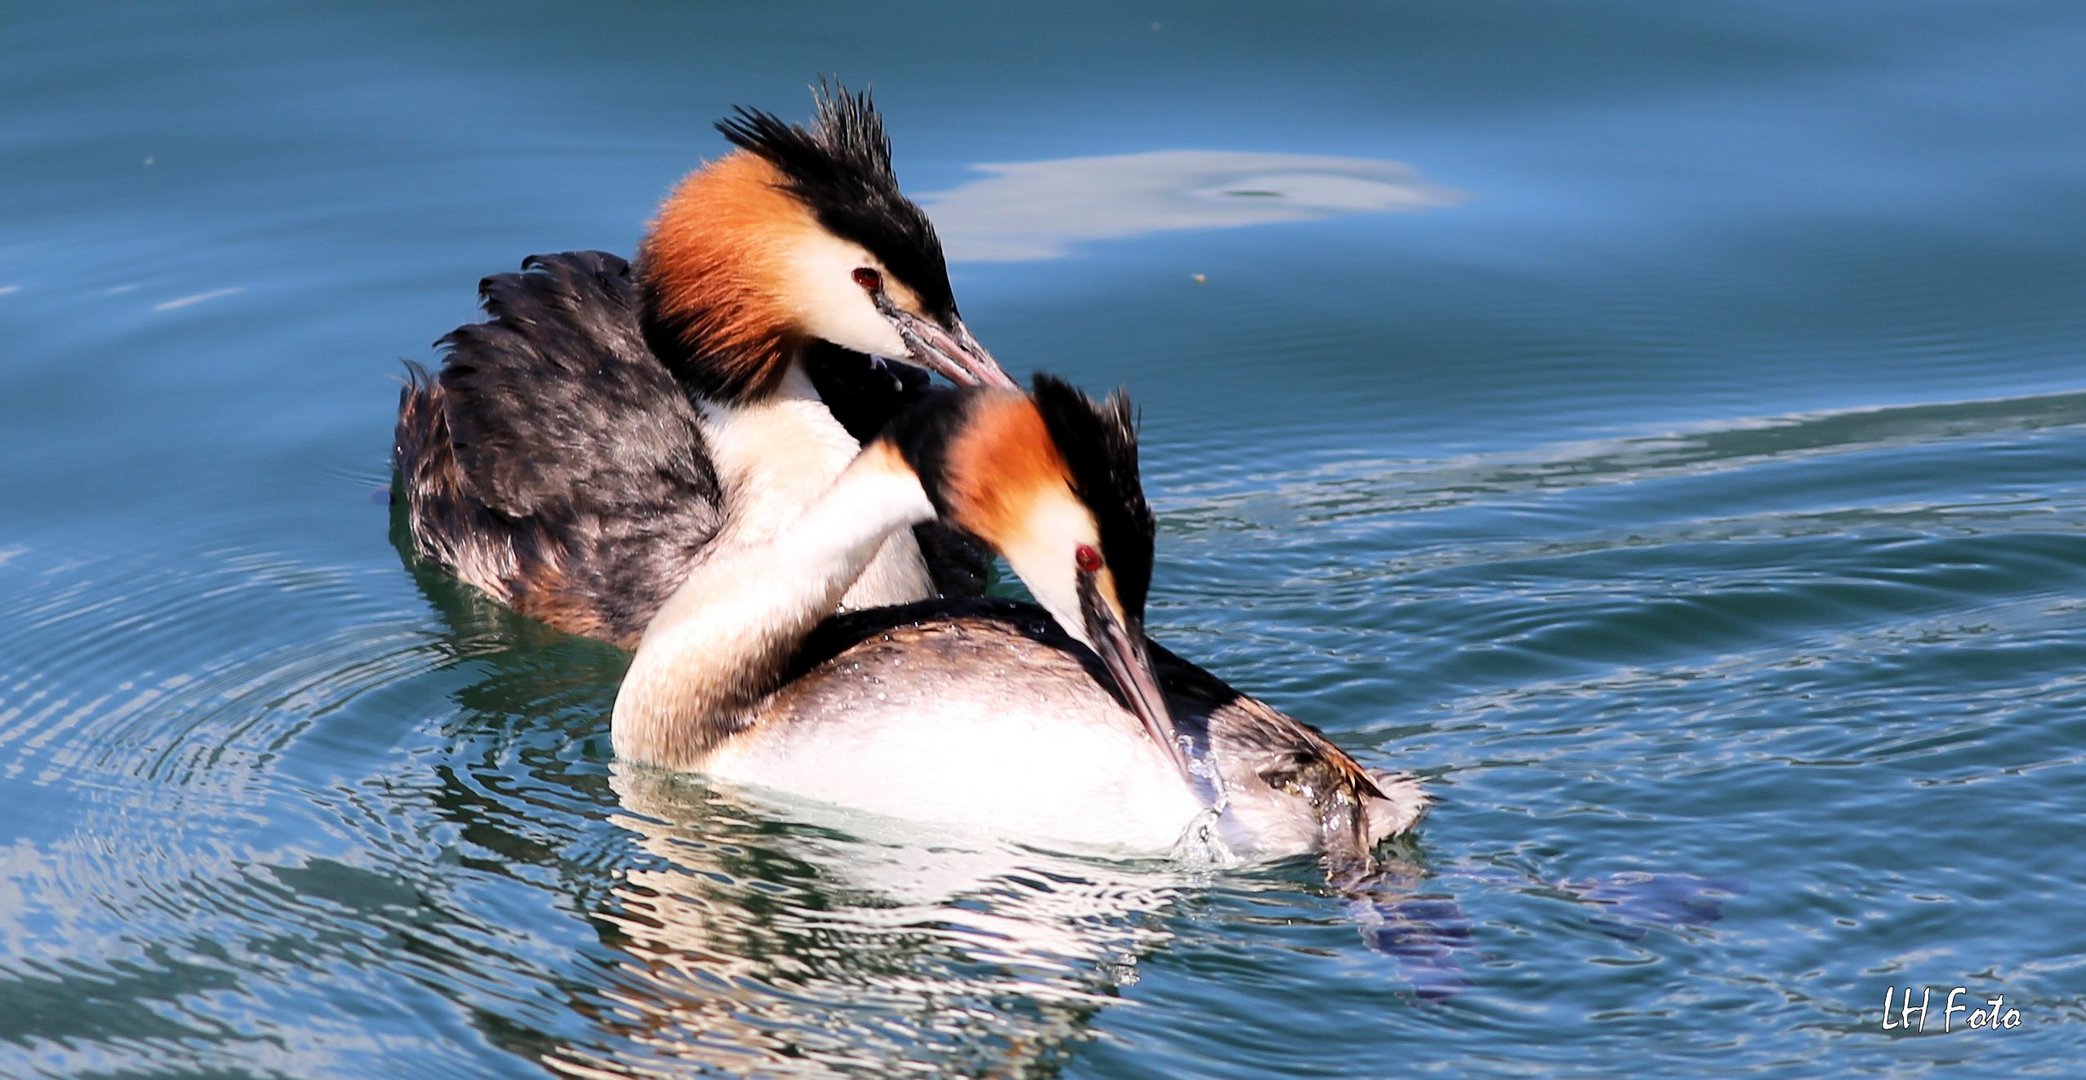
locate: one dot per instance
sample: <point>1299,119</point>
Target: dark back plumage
<point>554,462</point>
<point>1099,444</point>
<point>840,166</point>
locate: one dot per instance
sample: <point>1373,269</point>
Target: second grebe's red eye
<point>1087,559</point>
<point>869,279</point>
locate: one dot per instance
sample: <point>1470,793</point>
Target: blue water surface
<point>1660,426</point>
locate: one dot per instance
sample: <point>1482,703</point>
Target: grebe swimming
<point>988,713</point>
<point>610,427</point>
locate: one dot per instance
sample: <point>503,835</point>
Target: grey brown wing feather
<point>554,462</point>
<point>1352,807</point>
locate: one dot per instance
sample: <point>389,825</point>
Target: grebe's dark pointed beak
<point>1121,648</point>
<point>948,350</point>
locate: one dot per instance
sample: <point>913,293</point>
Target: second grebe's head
<point>1050,481</point>
<point>800,235</point>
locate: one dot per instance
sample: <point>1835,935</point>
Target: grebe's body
<point>985,713</point>
<point>610,427</point>
<point>1052,722</point>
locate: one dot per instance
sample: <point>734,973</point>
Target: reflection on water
<point>841,942</point>
<point>805,950</point>
<point>1041,209</point>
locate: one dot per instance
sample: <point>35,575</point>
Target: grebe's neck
<point>777,456</point>
<point>722,640</point>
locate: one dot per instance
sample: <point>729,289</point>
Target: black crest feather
<point>1099,444</point>
<point>840,166</point>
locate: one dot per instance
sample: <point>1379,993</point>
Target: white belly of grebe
<point>971,757</point>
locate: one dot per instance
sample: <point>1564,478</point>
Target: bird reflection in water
<point>752,947</point>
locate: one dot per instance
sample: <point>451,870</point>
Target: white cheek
<point>830,305</point>
<point>1043,559</point>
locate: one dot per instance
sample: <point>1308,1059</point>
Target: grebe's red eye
<point>869,279</point>
<point>1087,559</point>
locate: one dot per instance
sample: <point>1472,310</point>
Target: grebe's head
<point>801,234</point>
<point>1049,480</point>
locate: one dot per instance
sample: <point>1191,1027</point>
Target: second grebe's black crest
<point>840,166</point>
<point>1099,444</point>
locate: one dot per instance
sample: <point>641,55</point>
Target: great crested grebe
<point>983,713</point>
<point>608,427</point>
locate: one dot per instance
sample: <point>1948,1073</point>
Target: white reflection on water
<point>796,953</point>
<point>1039,209</point>
<point>193,299</point>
